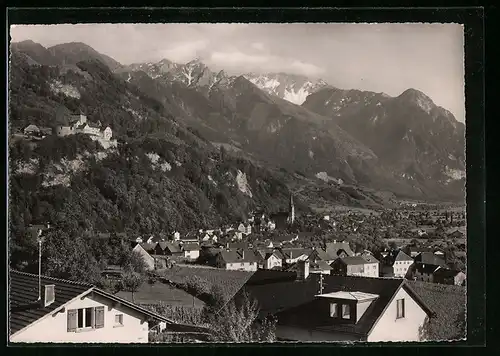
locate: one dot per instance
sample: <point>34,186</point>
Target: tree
<point>197,285</point>
<point>393,245</point>
<point>134,262</point>
<point>237,321</point>
<point>131,282</point>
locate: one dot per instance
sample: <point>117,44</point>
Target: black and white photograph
<point>236,183</point>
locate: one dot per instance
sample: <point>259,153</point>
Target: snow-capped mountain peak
<point>293,88</point>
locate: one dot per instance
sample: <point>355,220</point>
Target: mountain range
<point>405,144</point>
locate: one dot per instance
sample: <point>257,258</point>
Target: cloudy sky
<point>386,58</point>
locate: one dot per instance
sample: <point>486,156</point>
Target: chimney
<point>49,295</point>
<point>303,270</point>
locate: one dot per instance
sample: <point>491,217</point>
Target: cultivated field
<point>230,281</point>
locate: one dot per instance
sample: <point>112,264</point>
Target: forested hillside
<point>162,176</point>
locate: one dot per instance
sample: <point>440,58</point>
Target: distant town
<point>236,183</point>
<point>265,254</point>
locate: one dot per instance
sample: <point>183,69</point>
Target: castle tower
<point>291,211</point>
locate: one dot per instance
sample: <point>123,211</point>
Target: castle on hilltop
<point>75,124</point>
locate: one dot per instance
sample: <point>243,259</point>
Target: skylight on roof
<point>357,296</point>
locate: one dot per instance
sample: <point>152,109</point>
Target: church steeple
<point>291,212</point>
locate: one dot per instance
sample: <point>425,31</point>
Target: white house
<point>74,312</point>
<point>148,259</point>
<point>239,260</point>
<point>191,250</point>
<point>362,266</point>
<point>396,264</point>
<point>269,259</point>
<point>293,255</point>
<point>322,308</point>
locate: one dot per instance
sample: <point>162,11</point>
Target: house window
<point>400,308</point>
<point>85,318</point>
<point>333,310</point>
<point>119,320</point>
<point>346,311</point>
<point>89,313</point>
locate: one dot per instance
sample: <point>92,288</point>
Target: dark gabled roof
<point>276,254</point>
<point>446,273</point>
<point>320,266</point>
<point>401,256</point>
<point>293,252</point>
<point>163,245</point>
<point>396,255</point>
<point>260,254</point>
<point>334,248</point>
<point>148,247</point>
<point>352,260</point>
<point>23,293</point>
<point>234,245</point>
<point>237,256</point>
<point>286,296</point>
<point>322,254</point>
<point>172,247</point>
<point>370,258</point>
<point>190,247</point>
<point>430,258</point>
<point>425,268</point>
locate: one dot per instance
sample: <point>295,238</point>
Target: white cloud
<point>236,58</point>
<point>259,46</point>
<point>262,63</point>
<point>306,68</point>
<point>184,52</point>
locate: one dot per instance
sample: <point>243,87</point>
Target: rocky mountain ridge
<point>353,136</point>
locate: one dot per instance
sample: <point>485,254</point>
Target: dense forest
<point>161,177</point>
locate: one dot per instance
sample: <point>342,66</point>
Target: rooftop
<point>354,260</point>
<point>23,295</point>
<point>282,294</point>
<point>358,296</point>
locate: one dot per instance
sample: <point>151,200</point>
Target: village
<point>251,183</point>
<point>266,257</point>
<point>265,243</point>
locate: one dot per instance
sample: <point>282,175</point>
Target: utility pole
<point>321,286</point>
<point>39,268</point>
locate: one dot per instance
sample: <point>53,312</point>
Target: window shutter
<point>99,317</point>
<point>72,320</point>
